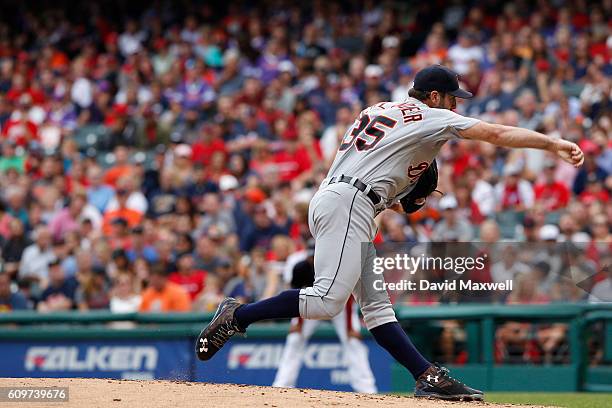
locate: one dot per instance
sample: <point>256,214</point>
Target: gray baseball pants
<point>341,220</point>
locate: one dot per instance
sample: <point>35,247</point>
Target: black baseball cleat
<point>219,330</point>
<point>437,383</point>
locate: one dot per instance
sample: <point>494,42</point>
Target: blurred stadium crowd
<point>158,156</point>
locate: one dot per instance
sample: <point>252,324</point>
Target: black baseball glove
<point>426,184</point>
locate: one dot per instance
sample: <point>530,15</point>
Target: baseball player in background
<point>382,159</point>
<point>347,327</point>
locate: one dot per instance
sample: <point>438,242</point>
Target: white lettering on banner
<point>323,356</point>
<point>72,357</point>
<point>145,357</point>
<point>108,358</point>
<point>340,377</point>
<point>120,358</point>
<point>268,356</point>
<point>255,356</point>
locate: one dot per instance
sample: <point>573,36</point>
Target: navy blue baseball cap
<point>441,79</point>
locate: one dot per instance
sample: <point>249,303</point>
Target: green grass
<point>558,399</point>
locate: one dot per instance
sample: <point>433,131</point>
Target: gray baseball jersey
<point>391,144</point>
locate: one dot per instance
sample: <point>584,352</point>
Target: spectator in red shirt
<point>461,157</point>
<point>209,142</point>
<point>601,242</point>
<point>262,160</point>
<point>552,194</point>
<point>268,112</point>
<point>191,279</point>
<point>466,204</point>
<point>299,155</point>
<point>594,191</point>
<point>514,193</point>
<point>299,230</point>
<point>18,88</point>
<point>252,93</point>
<point>19,127</point>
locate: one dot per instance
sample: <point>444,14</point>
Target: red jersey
<point>203,151</point>
<point>193,283</point>
<point>554,196</point>
<point>21,131</point>
<point>291,165</point>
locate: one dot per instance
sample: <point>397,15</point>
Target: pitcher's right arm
<point>510,136</point>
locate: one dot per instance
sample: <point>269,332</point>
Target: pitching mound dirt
<point>90,393</point>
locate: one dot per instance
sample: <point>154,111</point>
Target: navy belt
<point>361,186</point>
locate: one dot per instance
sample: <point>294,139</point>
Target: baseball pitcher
<point>378,165</point>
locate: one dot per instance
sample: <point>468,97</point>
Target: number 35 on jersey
<point>367,132</point>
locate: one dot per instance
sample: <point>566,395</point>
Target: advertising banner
<point>324,365</point>
<point>130,359</point>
